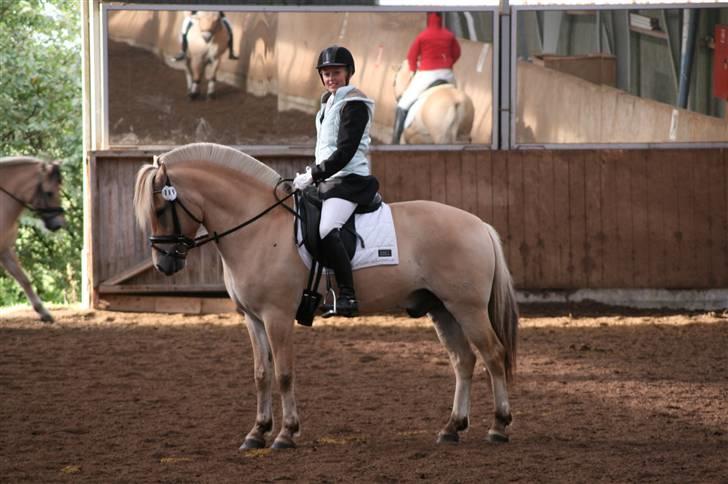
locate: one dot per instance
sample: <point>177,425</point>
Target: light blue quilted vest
<point>328,131</point>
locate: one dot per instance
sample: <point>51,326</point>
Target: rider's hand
<point>303,180</point>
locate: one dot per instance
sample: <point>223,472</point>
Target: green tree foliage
<point>40,115</point>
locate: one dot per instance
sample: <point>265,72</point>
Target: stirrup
<point>348,311</point>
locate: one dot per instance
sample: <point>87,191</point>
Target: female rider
<point>342,171</point>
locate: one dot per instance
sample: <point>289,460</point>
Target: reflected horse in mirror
<point>442,114</point>
<point>451,268</point>
<point>207,42</point>
<point>30,183</point>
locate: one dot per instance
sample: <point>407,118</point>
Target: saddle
<point>436,83</point>
<point>308,208</point>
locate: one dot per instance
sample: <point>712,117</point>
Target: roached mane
<point>219,154</point>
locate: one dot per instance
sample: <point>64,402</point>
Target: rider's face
<point>334,77</point>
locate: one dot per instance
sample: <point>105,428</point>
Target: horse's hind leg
<point>10,262</point>
<point>463,363</point>
<point>477,327</point>
<point>263,384</point>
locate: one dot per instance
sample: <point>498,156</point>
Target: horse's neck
<point>233,200</point>
<point>20,179</point>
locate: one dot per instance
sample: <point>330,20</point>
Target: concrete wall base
<point>681,299</point>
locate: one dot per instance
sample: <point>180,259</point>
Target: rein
<point>43,212</point>
<point>183,243</point>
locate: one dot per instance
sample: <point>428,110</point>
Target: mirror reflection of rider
<point>431,57</point>
<point>187,25</point>
<point>342,170</point>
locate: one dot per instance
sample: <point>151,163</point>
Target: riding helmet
<point>336,56</point>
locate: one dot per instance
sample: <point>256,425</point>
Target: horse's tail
<point>502,307</point>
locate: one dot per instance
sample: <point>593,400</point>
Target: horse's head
<point>208,23</point>
<point>46,201</point>
<point>171,223</point>
<point>402,78</point>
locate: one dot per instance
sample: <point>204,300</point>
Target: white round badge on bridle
<point>169,193</point>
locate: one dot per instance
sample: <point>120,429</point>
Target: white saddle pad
<point>380,241</point>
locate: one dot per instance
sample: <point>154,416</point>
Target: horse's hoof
<point>448,438</point>
<point>281,444</point>
<point>497,437</point>
<point>193,95</point>
<point>252,444</point>
<point>46,318</point>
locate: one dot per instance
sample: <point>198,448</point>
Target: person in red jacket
<point>431,57</point>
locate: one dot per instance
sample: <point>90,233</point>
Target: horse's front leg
<point>193,72</point>
<point>263,384</point>
<point>213,77</point>
<point>279,326</point>
<point>10,262</point>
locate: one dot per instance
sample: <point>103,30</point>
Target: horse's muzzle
<point>54,223</point>
<point>169,265</point>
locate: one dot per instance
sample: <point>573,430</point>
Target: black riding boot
<point>399,116</point>
<point>182,53</point>
<point>338,261</point>
<point>231,55</point>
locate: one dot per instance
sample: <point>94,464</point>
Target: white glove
<point>303,180</point>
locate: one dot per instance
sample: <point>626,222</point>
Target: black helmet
<point>336,56</point>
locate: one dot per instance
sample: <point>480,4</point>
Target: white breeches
<point>420,81</point>
<point>334,214</point>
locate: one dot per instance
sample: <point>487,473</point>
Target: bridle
<point>45,213</point>
<point>183,244</point>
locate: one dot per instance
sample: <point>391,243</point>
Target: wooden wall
<point>585,219</point>
<point>568,219</point>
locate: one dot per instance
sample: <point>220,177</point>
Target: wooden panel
<point>120,249</point>
<point>532,222</point>
<point>641,249</point>
<point>594,247</point>
<point>568,219</point>
<point>562,250</point>
<point>516,230</point>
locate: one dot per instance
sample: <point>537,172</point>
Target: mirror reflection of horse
<point>207,42</point>
<point>451,267</point>
<point>30,183</point>
<point>444,112</point>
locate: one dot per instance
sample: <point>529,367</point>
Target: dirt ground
<point>599,397</point>
<point>148,105</point>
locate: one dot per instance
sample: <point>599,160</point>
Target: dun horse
<point>451,267</point>
<point>33,184</point>
<point>444,113</point>
<point>207,42</point>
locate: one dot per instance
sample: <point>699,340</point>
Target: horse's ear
<point>161,174</point>
<point>56,170</point>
